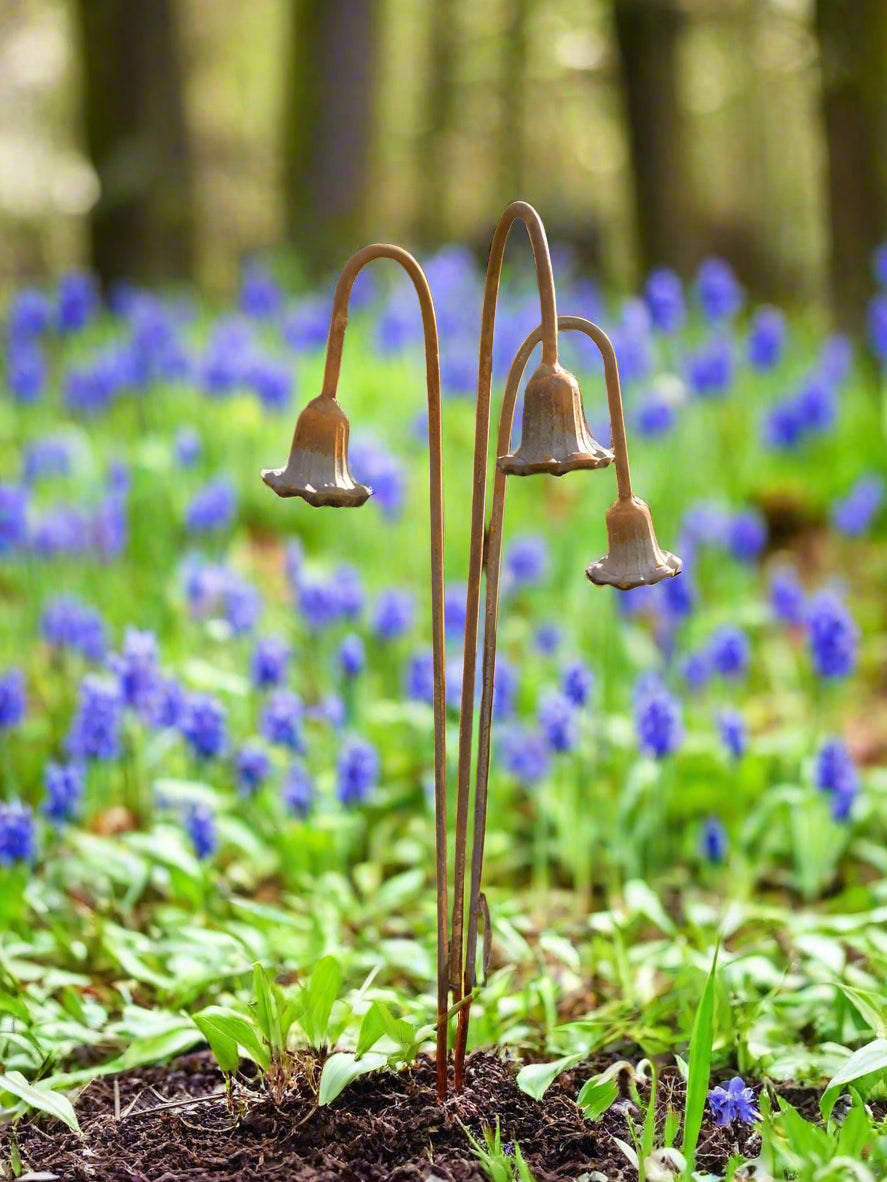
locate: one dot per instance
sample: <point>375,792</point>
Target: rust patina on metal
<point>555,440</point>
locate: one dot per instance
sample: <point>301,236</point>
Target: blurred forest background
<point>168,139</point>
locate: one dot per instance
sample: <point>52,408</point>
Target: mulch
<point>168,1124</point>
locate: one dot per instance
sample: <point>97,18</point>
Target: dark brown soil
<point>171,1124</point>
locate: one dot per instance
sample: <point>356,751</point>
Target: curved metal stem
<point>491,617</point>
<point>517,211</point>
<point>335,342</point>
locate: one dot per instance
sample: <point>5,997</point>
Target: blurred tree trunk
<point>514,92</point>
<point>647,34</point>
<point>853,54</point>
<point>329,120</point>
<point>142,227</point>
<point>433,145</point>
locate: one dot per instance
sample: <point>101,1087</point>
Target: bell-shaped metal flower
<point>317,469</point>
<point>634,558</point>
<point>555,436</point>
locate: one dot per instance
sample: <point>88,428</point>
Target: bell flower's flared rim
<point>514,465</point>
<point>321,496</point>
<point>600,574</point>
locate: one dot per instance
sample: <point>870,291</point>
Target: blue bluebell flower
<point>577,683</point>
<point>877,325</point>
<point>633,347</point>
<point>729,652</point>
<point>357,771</point>
<point>260,294</point>
<point>718,292</point>
<point>817,404</point>
<point>854,513</point>
<point>212,508</point>
<point>709,370</point>
<point>306,325</point>
<point>735,1102</point>
<point>187,446</point>
<point>787,598</point>
<point>200,825</point>
<point>222,368</point>
<point>380,470</point>
<point>293,563</point>
<point>713,841</point>
<point>270,661</point>
<point>319,603</point>
<point>331,710</point>
<point>13,699</point>
<point>25,372</point>
<point>28,314</point>
<point>69,624</point>
<point>678,597</point>
<point>835,774</point>
<point>157,351</point>
<point>204,725</point>
<point>168,704</point>
<point>731,726</point>
<point>420,678</point>
<point>695,670</point>
<point>654,417</point>
<point>706,523</point>
<point>64,783</point>
<point>270,380</point>
<point>49,456</point>
<point>282,719</point>
<point>399,324</point>
<point>783,425</point>
<point>95,729</point>
<point>766,338</point>
<point>664,293</point>
<point>18,835</point>
<point>350,592</point>
<point>297,790</point>
<point>107,526</point>
<point>242,604</point>
<point>77,301</point>
<point>252,767</point>
<point>558,722</point>
<point>836,358</point>
<point>524,754</point>
<point>352,655</point>
<point>832,636</point>
<point>547,638</point>
<point>137,669</point>
<point>525,560</point>
<point>746,536</point>
<point>505,687</point>
<point>657,718</point>
<point>454,610</point>
<point>393,615</point>
<point>14,502</point>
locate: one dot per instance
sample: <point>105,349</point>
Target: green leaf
<point>154,1048</point>
<point>340,1069</point>
<point>267,1014</point>
<point>225,1030</point>
<point>701,1041</point>
<point>536,1078</point>
<point>596,1096</point>
<point>318,997</point>
<point>867,1060</point>
<point>41,1098</point>
<point>869,1005</point>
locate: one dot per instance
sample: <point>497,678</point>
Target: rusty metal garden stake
<point>318,472</point>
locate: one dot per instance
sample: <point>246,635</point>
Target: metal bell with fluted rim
<point>317,469</point>
<point>634,558</point>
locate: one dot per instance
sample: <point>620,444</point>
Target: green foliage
<point>501,1163</point>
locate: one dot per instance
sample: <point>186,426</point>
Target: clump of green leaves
<point>500,1162</point>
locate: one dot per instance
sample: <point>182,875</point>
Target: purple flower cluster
<point>734,1102</point>
<point>836,775</point>
<point>832,636</point>
<point>657,717</point>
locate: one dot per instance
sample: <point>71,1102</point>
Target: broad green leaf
<point>218,1024</point>
<point>536,1078</point>
<point>154,1048</point>
<point>596,1096</point>
<point>318,997</point>
<point>265,1003</point>
<point>867,1060</point>
<point>870,1006</point>
<point>701,1041</point>
<point>379,1021</point>
<point>41,1098</point>
<point>340,1069</point>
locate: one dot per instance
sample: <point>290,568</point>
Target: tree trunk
<point>647,34</point>
<point>433,142</point>
<point>853,54</point>
<point>142,227</point>
<point>329,120</point>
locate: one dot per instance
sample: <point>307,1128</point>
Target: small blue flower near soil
<point>746,536</point>
<point>200,825</point>
<point>525,561</point>
<point>13,699</point>
<point>787,597</point>
<point>832,636</point>
<point>282,719</point>
<point>766,338</point>
<point>14,503</point>
<point>734,1102</point>
<point>204,726</point>
<point>853,514</point>
<point>664,294</point>
<point>558,722</point>
<point>270,661</point>
<point>393,615</point>
<point>252,766</point>
<point>524,754</point>
<point>729,652</point>
<point>352,655</point>
<point>357,771</point>
<point>835,774</point>
<point>713,841</point>
<point>18,836</point>
<point>657,718</point>
<point>212,508</point>
<point>577,683</point>
<point>719,295</point>
<point>64,783</point>
<point>297,790</point>
<point>731,726</point>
